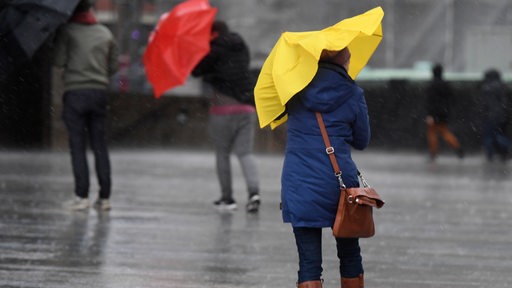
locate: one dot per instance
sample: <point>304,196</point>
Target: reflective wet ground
<point>446,224</point>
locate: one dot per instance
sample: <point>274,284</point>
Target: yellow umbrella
<point>293,62</point>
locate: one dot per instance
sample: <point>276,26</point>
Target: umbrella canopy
<point>26,24</point>
<point>178,43</point>
<point>293,62</point>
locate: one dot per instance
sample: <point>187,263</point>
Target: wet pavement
<point>446,224</point>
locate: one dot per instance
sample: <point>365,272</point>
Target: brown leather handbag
<point>354,217</point>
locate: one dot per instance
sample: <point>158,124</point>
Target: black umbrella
<point>24,27</point>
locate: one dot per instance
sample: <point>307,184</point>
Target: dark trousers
<point>84,114</point>
<point>309,246</point>
<point>495,140</point>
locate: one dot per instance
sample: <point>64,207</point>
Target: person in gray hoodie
<point>88,55</point>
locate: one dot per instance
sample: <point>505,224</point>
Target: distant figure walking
<point>494,101</point>
<point>88,54</point>
<point>232,116</point>
<point>439,97</point>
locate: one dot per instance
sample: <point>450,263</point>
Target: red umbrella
<point>178,43</point>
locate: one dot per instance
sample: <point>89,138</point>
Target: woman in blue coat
<point>310,190</point>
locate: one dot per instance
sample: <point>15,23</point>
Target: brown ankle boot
<point>311,284</point>
<point>357,282</point>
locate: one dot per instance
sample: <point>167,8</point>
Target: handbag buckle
<point>329,150</point>
<point>338,175</point>
<point>350,199</point>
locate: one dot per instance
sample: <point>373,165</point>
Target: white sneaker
<point>225,205</point>
<point>79,204</point>
<point>253,205</point>
<point>102,204</point>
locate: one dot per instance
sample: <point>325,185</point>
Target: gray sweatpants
<point>234,133</point>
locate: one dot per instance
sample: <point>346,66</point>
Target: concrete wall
<point>171,121</point>
<point>396,109</point>
<point>397,112</point>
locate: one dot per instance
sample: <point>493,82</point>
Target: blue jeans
<point>309,246</point>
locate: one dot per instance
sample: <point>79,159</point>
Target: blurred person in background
<point>494,102</point>
<point>439,97</point>
<point>88,55</point>
<point>232,115</point>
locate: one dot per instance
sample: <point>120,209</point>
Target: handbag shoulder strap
<point>329,149</point>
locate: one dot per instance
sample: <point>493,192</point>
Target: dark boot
<point>311,284</point>
<point>357,282</point>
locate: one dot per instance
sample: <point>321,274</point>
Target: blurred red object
<point>178,43</point>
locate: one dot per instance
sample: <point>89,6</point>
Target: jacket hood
<point>329,91</point>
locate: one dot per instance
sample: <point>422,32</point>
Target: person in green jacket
<point>88,55</point>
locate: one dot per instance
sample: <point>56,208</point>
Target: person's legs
<point>250,171</point>
<point>74,119</point>
<point>96,127</point>
<point>488,135</point>
<point>448,136</point>
<point>242,147</point>
<point>349,254</point>
<point>502,142</point>
<point>221,134</point>
<point>432,141</point>
<point>309,247</point>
